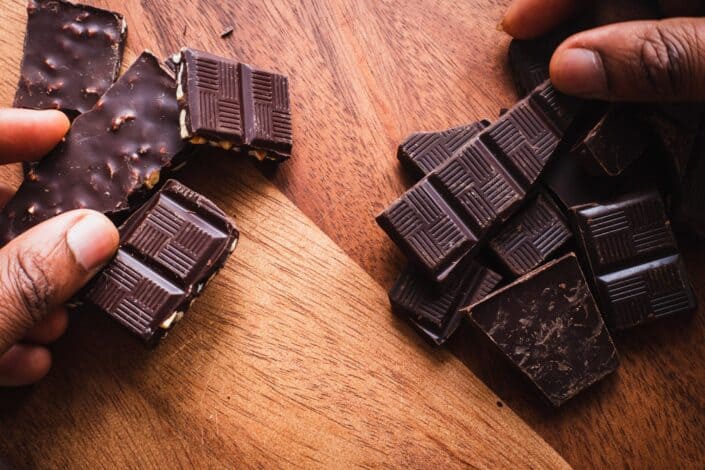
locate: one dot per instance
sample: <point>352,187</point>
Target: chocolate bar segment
<point>169,249</point>
<point>436,316</point>
<point>72,55</point>
<point>689,205</point>
<point>428,230</point>
<point>111,158</point>
<point>548,325</point>
<point>634,260</point>
<point>231,105</point>
<point>480,186</point>
<point>616,141</point>
<point>531,236</point>
<point>422,152</point>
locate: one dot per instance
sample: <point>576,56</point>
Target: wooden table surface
<point>363,75</point>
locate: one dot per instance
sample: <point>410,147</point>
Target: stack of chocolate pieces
<point>128,135</point>
<point>548,228</point>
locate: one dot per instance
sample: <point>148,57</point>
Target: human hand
<point>655,60</point>
<point>42,268</point>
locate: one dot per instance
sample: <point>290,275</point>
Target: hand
<point>656,60</point>
<point>42,268</point>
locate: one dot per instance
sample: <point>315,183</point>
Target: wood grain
<point>289,359</point>
<point>363,75</point>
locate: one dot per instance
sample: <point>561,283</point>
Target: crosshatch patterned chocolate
<point>230,104</point>
<point>632,253</point>
<point>531,236</point>
<point>72,54</point>
<point>436,315</point>
<point>422,152</point>
<point>169,250</point>
<point>480,186</point>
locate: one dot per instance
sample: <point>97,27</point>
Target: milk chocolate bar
<point>617,140</point>
<point>435,315</point>
<point>534,234</point>
<point>72,55</point>
<point>231,105</point>
<point>548,325</point>
<point>111,158</point>
<point>169,249</point>
<point>447,215</point>
<point>634,260</point>
<point>422,152</point>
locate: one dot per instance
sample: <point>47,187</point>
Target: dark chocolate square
<point>428,230</point>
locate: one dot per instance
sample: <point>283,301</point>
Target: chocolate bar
<point>616,141</point>
<point>447,215</point>
<point>111,158</point>
<point>231,105</point>
<point>436,316</point>
<point>548,325</point>
<point>422,152</point>
<point>634,260</point>
<point>531,236</point>
<point>169,250</point>
<point>72,55</point>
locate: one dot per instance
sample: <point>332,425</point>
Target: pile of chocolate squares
<point>128,135</point>
<point>548,228</point>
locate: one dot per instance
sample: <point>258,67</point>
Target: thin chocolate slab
<point>422,152</point>
<point>529,59</point>
<point>534,234</point>
<point>450,214</point>
<point>72,55</point>
<point>615,142</point>
<point>169,250</point>
<point>230,104</point>
<point>548,325</point>
<point>634,260</point>
<point>111,158</point>
<point>436,316</point>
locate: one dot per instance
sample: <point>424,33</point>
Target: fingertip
<point>24,364</point>
<point>578,71</point>
<point>93,240</point>
<point>528,19</point>
<point>30,134</point>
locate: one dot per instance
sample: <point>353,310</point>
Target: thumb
<point>634,61</point>
<point>42,268</point>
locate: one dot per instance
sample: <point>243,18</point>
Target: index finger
<point>527,19</point>
<point>27,135</point>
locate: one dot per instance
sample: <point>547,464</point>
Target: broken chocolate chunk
<point>112,157</point>
<point>548,325</point>
<point>72,55</point>
<point>169,249</point>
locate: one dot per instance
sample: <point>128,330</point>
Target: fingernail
<point>93,240</point>
<point>579,72</point>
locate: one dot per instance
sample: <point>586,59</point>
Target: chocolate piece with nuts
<point>112,156</point>
<point>72,55</point>
<point>169,250</point>
<point>231,105</point>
